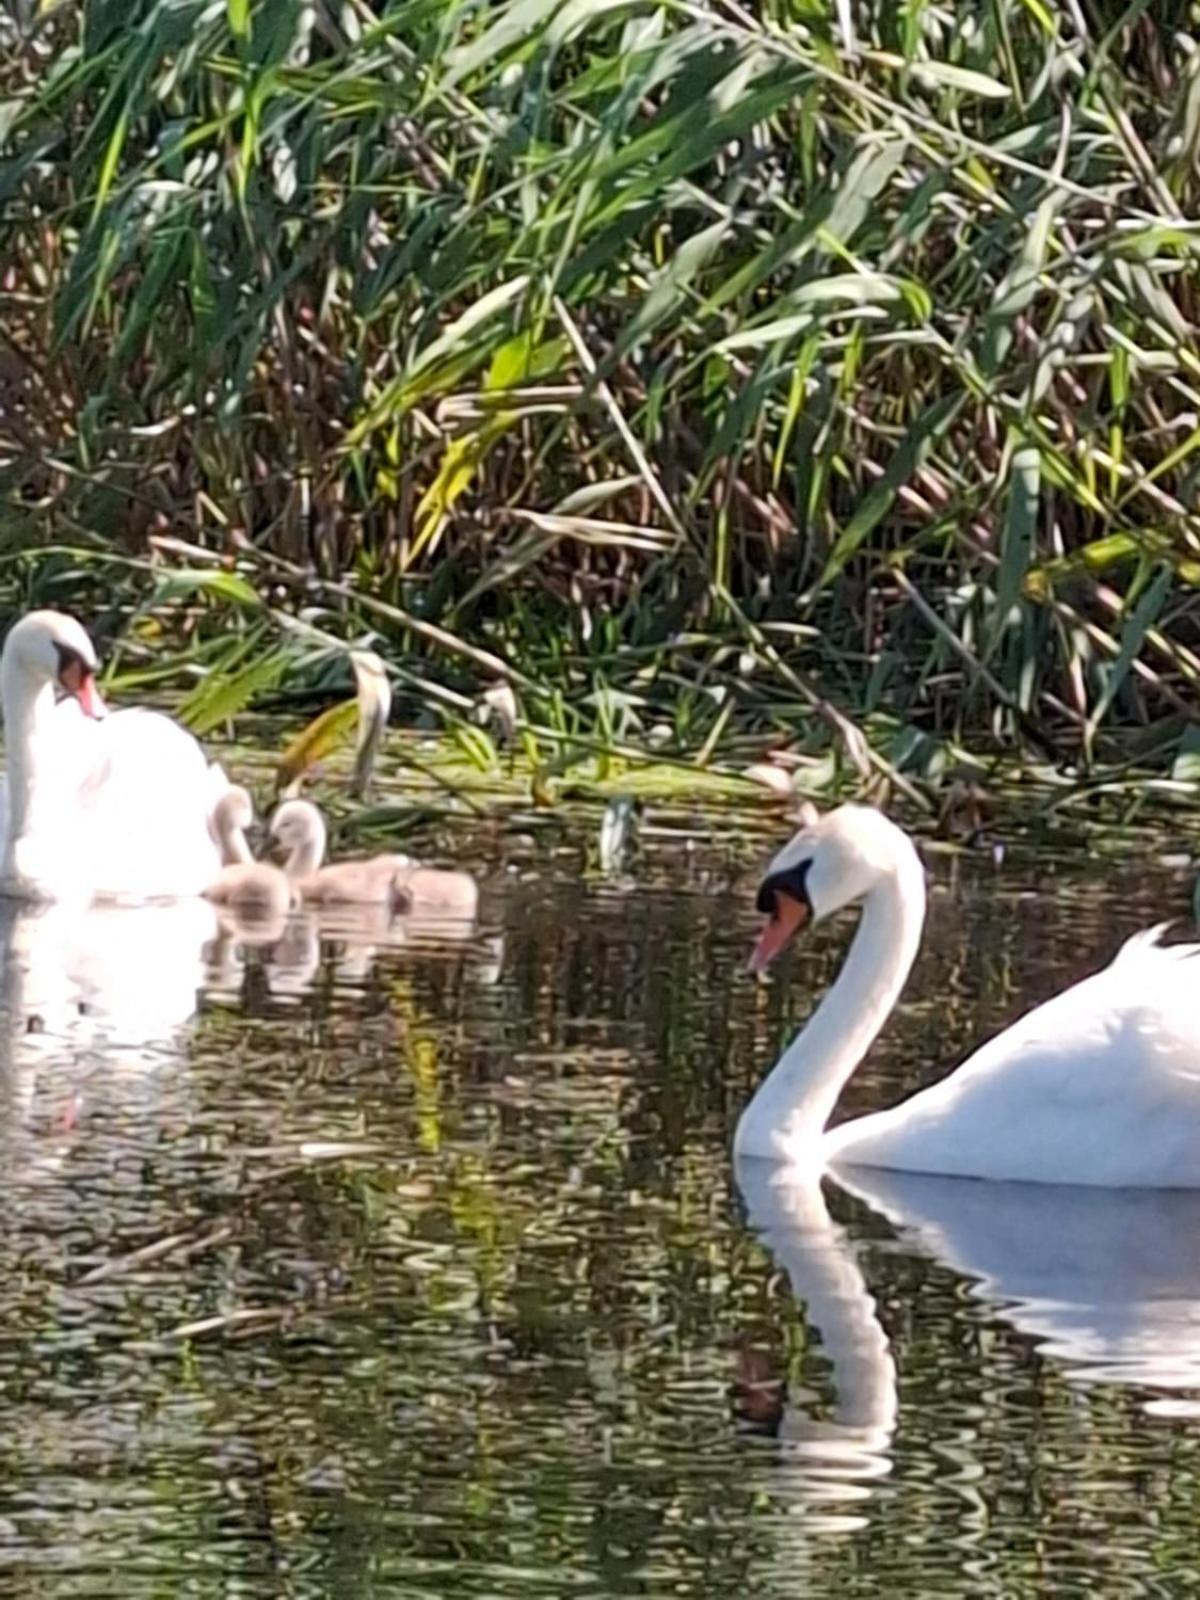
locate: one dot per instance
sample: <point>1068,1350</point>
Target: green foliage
<point>554,340</point>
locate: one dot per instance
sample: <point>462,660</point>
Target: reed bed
<point>681,375</point>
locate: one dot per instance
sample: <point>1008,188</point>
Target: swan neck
<point>787,1117</point>
<point>29,708</point>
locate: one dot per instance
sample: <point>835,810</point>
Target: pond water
<point>413,1263</point>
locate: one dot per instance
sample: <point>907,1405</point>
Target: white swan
<point>1100,1085</point>
<point>95,809</point>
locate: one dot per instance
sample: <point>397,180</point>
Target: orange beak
<point>77,680</point>
<point>786,921</point>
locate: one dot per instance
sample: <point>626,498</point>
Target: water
<point>419,1269</point>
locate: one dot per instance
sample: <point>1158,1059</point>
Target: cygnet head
<point>832,862</point>
<point>50,647</point>
<point>298,832</point>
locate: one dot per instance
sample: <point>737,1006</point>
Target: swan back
<point>377,881</point>
<point>256,890</point>
<point>434,891</point>
<point>1099,1085</point>
<point>147,805</point>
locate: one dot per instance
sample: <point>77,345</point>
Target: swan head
<point>834,861</point>
<point>298,833</point>
<point>50,647</point>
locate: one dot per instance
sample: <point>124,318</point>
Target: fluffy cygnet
<point>395,880</point>
<point>255,889</point>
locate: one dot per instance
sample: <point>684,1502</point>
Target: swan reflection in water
<point>94,1006</point>
<point>1105,1281</point>
<point>289,947</point>
<point>108,977</point>
<point>827,1465</point>
<point>109,992</point>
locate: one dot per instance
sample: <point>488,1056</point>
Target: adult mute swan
<point>1100,1085</point>
<point>95,806</point>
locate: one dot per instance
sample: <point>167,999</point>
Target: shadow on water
<point>375,1257</point>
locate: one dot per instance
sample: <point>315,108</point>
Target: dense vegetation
<point>812,372</point>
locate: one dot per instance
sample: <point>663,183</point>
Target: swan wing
<point>144,799</point>
<point>1099,1085</point>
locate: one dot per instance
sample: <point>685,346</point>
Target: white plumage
<point>1100,1085</point>
<point>117,808</point>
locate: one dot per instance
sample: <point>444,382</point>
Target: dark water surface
<point>419,1268</point>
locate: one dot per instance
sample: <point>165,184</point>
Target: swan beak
<point>90,699</point>
<point>788,917</point>
<point>77,680</point>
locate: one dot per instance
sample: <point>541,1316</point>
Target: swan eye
<point>790,881</point>
<point>72,668</point>
<point>77,677</point>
